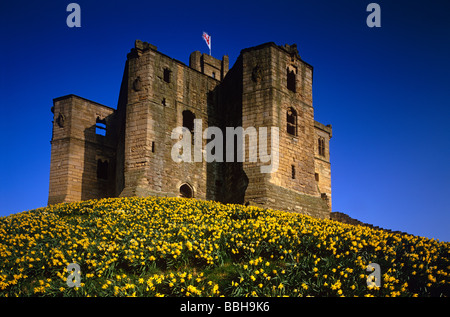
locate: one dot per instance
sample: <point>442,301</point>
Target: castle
<point>98,151</point>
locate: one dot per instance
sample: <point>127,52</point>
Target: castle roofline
<point>289,49</point>
<point>258,47</point>
<point>195,64</point>
<point>326,128</point>
<point>76,96</point>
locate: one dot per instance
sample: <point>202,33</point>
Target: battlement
<point>140,47</point>
<point>291,50</point>
<point>208,65</point>
<point>203,63</point>
<point>325,128</point>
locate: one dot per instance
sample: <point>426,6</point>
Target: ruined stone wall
<point>76,149</point>
<point>59,163</point>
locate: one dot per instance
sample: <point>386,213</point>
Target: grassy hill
<point>185,247</point>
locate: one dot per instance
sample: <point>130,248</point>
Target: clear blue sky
<point>386,91</point>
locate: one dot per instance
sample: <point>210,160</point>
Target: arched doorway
<point>186,191</point>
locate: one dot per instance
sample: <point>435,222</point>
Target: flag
<point>207,39</point>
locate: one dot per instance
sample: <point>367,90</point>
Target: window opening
<point>291,121</point>
<point>167,75</point>
<point>188,120</point>
<point>321,146</point>
<point>100,126</point>
<point>290,80</point>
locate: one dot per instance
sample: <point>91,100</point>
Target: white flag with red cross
<point>207,39</point>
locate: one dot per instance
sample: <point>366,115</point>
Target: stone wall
<point>77,149</point>
<point>322,160</point>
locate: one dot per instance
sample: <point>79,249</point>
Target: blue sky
<point>385,90</point>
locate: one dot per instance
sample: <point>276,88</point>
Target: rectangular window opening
<point>167,75</point>
<point>291,121</point>
<point>291,80</point>
<point>100,127</point>
<point>293,172</point>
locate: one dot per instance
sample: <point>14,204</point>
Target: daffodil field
<point>186,247</point>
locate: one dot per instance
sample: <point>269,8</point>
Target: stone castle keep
<point>98,151</point>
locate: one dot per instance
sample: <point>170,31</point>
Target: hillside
<point>186,247</point>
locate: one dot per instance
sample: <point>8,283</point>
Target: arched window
<point>321,146</point>
<point>186,191</point>
<point>291,120</point>
<point>188,120</point>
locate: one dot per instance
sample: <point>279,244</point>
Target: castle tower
<point>83,151</point>
<point>163,94</point>
<point>276,91</point>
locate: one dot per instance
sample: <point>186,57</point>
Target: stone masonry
<point>98,151</point>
